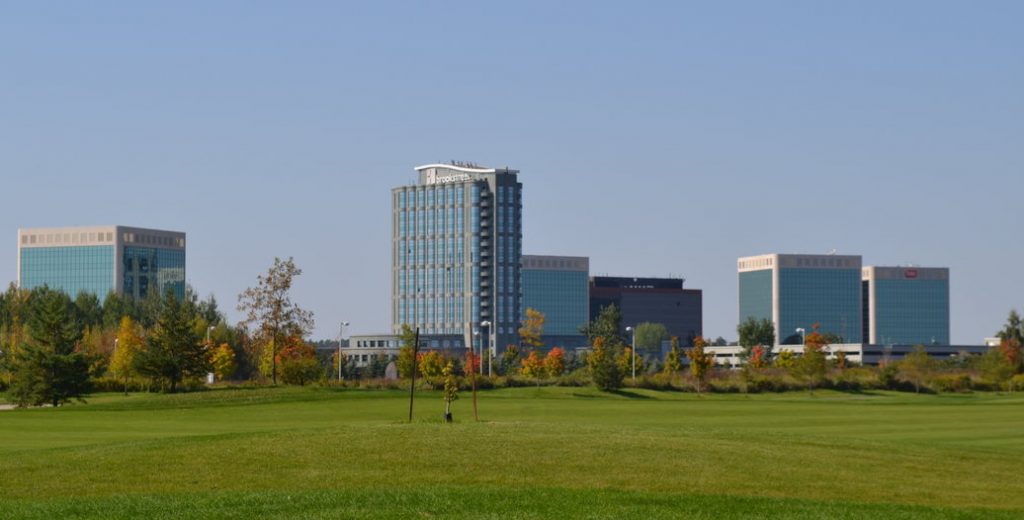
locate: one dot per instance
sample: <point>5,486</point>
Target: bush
<point>110,384</point>
<point>888,376</point>
<point>299,371</point>
<point>952,383</point>
<point>1017,383</point>
<point>576,378</point>
<point>659,381</point>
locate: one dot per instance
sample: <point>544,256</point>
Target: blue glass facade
<point>456,247</point>
<point>71,269</point>
<point>756,295</point>
<point>561,295</point>
<point>829,297</point>
<point>146,269</point>
<point>911,312</point>
<point>99,260</point>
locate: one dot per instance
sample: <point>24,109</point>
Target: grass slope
<point>538,453</point>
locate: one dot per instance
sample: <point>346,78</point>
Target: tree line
<point>55,348</point>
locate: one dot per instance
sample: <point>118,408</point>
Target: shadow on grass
<point>629,394</point>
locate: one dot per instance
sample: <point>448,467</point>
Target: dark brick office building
<point>655,300</point>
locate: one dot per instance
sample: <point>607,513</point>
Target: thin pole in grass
<point>412,385</point>
<point>471,364</point>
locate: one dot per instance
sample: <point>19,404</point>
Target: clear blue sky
<point>655,138</point>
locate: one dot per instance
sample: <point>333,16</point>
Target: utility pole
<point>341,337</point>
<point>412,385</point>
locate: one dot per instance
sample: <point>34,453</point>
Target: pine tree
<point>604,371</point>
<point>48,369</point>
<point>174,350</point>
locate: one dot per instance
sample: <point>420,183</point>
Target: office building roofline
<point>466,168</point>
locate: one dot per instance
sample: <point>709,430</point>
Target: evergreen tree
<point>48,369</point>
<point>173,350</point>
<point>1014,328</point>
<point>89,310</point>
<point>607,326</point>
<point>604,371</point>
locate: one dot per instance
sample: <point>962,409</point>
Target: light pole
<point>633,348</point>
<point>209,376</point>
<point>803,335</point>
<point>475,348</point>
<point>341,337</point>
<point>485,329</point>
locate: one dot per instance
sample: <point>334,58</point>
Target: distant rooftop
<point>465,166</point>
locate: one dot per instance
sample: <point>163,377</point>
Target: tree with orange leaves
<point>554,362</point>
<point>533,366</point>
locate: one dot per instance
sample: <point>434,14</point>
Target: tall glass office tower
<point>456,248</point>
<point>102,259</point>
<point>797,291</point>
<point>906,305</point>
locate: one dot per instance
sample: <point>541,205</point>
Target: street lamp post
<point>209,376</point>
<point>476,348</point>
<point>485,329</point>
<point>341,338</point>
<point>633,348</point>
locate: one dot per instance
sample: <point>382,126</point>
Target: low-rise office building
<point>558,286</point>
<point>795,292</point>
<point>651,300</point>
<point>856,353</point>
<point>906,305</point>
<point>99,260</point>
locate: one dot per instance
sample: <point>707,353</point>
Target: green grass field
<point>537,453</point>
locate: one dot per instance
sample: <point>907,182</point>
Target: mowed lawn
<point>537,453</point>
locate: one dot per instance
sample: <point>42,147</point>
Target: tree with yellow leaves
<point>223,361</point>
<point>533,328</point>
<point>127,346</point>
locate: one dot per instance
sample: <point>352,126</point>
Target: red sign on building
<point>910,273</point>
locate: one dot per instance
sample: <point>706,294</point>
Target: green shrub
<point>576,378</point>
<point>299,371</point>
<point>110,384</point>
<point>952,383</point>
<point>659,381</point>
<point>888,376</point>
<point>1017,383</point>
